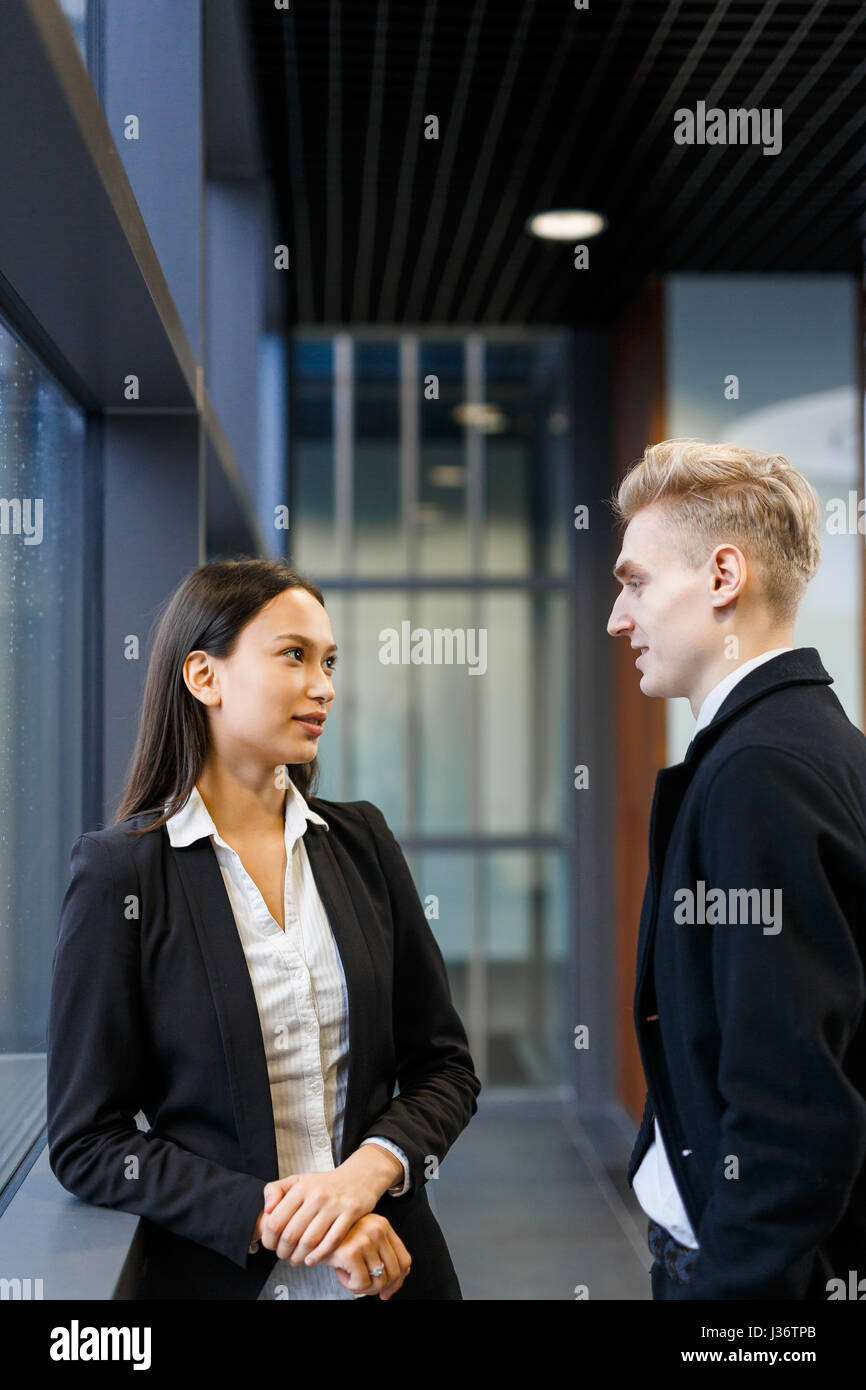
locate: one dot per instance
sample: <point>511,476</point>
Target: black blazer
<point>754,1043</point>
<point>152,1009</point>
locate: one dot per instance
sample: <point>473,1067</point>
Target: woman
<point>254,972</point>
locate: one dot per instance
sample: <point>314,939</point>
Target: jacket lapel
<point>234,1001</point>
<point>670,788</point>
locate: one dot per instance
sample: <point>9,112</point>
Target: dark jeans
<point>673,1262</point>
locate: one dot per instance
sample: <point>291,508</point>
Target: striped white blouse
<point>300,988</point>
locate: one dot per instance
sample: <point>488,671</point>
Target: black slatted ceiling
<point>542,105</point>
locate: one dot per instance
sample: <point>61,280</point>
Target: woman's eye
<point>632,582</point>
<point>298,651</point>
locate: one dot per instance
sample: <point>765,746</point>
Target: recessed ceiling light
<point>447,475</point>
<point>567,224</point>
<point>482,415</point>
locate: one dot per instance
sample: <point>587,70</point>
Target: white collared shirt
<point>300,990</point>
<point>654,1184</point>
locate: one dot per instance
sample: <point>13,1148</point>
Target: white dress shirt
<point>654,1184</point>
<point>300,990</point>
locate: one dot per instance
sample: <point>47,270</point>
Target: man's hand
<point>306,1215</point>
<point>372,1242</point>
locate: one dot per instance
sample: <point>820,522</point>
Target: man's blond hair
<point>718,493</point>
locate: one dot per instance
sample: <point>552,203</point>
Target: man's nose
<point>618,621</point>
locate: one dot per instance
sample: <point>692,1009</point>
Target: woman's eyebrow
<point>304,641</point>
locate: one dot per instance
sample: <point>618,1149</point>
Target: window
<point>42,523</point>
<point>428,477</point>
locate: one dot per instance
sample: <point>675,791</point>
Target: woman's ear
<point>201,677</point>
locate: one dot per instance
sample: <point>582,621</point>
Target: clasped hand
<point>306,1215</point>
<point>312,1218</point>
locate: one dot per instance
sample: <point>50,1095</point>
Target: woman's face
<point>281,668</point>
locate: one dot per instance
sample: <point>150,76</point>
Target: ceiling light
<point>567,224</point>
<point>482,415</point>
<point>447,475</point>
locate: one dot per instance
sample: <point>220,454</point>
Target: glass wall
<point>425,476</point>
<point>42,524</point>
<point>780,376</point>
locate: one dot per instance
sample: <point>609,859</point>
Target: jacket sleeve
<point>97,1067</point>
<point>437,1083</point>
<point>789,994</point>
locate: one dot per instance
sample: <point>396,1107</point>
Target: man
<point>751,973</point>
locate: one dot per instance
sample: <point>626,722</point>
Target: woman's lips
<point>309,728</point>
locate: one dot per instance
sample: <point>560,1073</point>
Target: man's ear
<point>729,571</point>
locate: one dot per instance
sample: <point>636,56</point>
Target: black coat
<point>152,1009</point>
<point>753,1041</point>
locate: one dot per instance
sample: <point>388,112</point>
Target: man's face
<point>663,606</point>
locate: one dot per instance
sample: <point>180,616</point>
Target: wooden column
<point>639,730</point>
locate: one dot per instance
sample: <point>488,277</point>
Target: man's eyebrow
<point>304,641</point>
<point>628,567</point>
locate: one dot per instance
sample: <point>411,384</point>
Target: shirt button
<point>323,1142</point>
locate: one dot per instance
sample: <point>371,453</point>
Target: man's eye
<point>631,582</point>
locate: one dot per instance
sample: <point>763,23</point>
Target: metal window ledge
<point>78,1251</point>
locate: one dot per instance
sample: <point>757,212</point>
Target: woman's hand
<point>372,1242</point>
<point>307,1215</point>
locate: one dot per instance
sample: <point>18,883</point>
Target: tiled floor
<point>535,1205</point>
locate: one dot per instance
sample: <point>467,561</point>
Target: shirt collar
<point>193,820</point>
<point>719,693</point>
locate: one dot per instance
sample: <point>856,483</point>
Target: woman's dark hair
<point>206,612</point>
